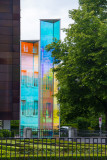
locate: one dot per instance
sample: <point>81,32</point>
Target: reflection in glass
<point>29,84</point>
<point>49,29</point>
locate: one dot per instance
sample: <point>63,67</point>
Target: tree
<point>82,62</point>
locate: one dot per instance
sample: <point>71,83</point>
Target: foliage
<point>8,133</point>
<point>15,124</point>
<point>56,158</point>
<point>5,133</point>
<point>83,123</point>
<point>82,62</point>
<point>1,134</point>
<point>92,121</point>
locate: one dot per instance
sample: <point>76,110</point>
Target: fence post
<point>70,133</point>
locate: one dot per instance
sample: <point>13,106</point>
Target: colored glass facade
<point>9,59</point>
<point>29,84</point>
<point>49,30</point>
<point>43,116</point>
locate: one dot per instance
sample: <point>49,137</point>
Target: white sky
<point>34,10</point>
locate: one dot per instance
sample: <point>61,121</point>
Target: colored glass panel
<point>49,29</point>
<point>29,85</point>
<point>56,107</point>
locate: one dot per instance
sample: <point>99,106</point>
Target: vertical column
<point>49,30</point>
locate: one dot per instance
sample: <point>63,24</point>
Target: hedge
<point>56,158</point>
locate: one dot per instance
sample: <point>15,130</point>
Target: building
<point>39,107</point>
<point>27,83</point>
<point>9,61</point>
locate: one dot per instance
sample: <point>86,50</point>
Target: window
<point>29,79</point>
<point>30,108</point>
<point>36,82</point>
<point>47,82</point>
<point>25,48</point>
<point>29,111</point>
<point>34,49</point>
<point>49,110</point>
<point>35,79</point>
<point>23,77</point>
<point>23,104</point>
<point>35,111</point>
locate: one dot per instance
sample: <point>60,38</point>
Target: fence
<point>53,149</point>
<point>46,133</point>
<point>93,133</point>
<point>35,133</point>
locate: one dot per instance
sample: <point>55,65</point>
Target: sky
<point>34,10</point>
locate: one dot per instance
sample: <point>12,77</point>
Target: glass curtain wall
<point>29,84</point>
<point>49,30</point>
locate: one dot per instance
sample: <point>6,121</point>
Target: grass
<point>39,148</point>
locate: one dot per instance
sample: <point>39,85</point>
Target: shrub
<point>1,134</point>
<point>15,124</point>
<point>6,133</point>
<point>83,123</point>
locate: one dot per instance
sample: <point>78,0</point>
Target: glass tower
<point>49,30</point>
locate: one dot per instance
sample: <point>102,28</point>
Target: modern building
<point>39,108</point>
<point>27,83</point>
<point>9,61</point>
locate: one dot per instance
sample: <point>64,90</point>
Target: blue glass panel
<point>29,85</point>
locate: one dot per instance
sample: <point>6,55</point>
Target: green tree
<point>82,62</point>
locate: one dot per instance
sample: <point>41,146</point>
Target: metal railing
<point>53,149</point>
<point>48,133</point>
<point>93,133</point>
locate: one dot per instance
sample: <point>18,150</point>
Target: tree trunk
<point>106,122</point>
<point>105,106</point>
